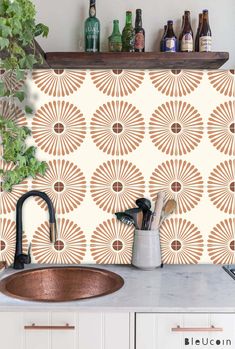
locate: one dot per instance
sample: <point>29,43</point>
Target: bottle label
<point>139,41</point>
<point>187,43</point>
<point>170,45</point>
<point>205,44</point>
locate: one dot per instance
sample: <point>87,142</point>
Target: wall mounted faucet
<point>20,257</point>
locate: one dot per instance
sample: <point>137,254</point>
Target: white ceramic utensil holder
<point>146,249</point>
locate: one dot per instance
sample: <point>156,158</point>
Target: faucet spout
<point>20,258</point>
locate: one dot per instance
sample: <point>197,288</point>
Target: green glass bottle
<point>128,34</point>
<point>115,40</point>
<point>92,30</point>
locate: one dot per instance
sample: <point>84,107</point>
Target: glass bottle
<point>205,37</point>
<point>139,33</point>
<point>92,30</point>
<point>128,34</point>
<point>170,39</point>
<point>186,36</point>
<point>162,39</point>
<point>198,32</point>
<point>115,40</point>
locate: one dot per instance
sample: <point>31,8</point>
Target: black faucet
<point>20,257</point>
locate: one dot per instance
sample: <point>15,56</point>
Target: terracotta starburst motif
<point>221,186</point>
<point>180,180</point>
<point>117,128</point>
<point>176,83</point>
<point>221,128</point>
<point>221,242</point>
<point>8,200</point>
<point>223,81</point>
<point>117,83</point>
<point>176,128</point>
<point>10,111</point>
<point>58,83</point>
<point>59,128</point>
<point>8,240</point>
<point>65,184</point>
<point>181,242</point>
<point>116,184</point>
<point>70,248</point>
<point>10,81</point>
<point>111,243</point>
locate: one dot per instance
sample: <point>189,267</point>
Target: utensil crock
<point>146,249</point>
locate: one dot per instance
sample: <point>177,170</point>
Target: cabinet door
<point>46,335</point>
<point>11,334</point>
<point>104,331</point>
<point>178,331</point>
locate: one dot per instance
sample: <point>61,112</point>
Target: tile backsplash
<point>111,136</point>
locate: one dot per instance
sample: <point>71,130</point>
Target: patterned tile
<point>111,136</point>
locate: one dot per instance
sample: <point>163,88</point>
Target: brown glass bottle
<point>186,36</point>
<point>205,37</point>
<point>139,33</point>
<point>198,32</point>
<point>162,39</point>
<point>170,39</point>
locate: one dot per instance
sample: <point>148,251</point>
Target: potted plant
<point>18,54</point>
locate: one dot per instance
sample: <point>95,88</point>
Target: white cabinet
<point>65,330</point>
<point>178,331</point>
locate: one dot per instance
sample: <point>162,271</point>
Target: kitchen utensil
<point>125,218</point>
<point>137,214</point>
<point>145,205</point>
<point>157,211</point>
<point>167,210</point>
<point>146,249</point>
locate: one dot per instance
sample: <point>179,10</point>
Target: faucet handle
<point>20,260</point>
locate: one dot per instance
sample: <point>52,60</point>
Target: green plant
<point>18,30</point>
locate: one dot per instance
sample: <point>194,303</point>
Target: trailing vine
<point>18,30</point>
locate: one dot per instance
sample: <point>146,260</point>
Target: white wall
<point>66,21</point>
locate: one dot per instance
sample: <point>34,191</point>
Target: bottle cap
<point>170,22</point>
<point>138,10</point>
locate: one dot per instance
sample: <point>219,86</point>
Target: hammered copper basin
<point>60,284</point>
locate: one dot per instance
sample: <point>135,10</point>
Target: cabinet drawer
<point>177,331</point>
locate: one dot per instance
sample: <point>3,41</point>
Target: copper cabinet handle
<point>34,327</point>
<point>197,329</point>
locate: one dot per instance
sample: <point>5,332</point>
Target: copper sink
<point>60,284</point>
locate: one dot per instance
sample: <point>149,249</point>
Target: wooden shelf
<point>147,60</point>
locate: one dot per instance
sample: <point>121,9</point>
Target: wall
<point>66,21</point>
<point>110,137</point>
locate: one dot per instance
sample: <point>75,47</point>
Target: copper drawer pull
<point>197,329</point>
<point>34,327</point>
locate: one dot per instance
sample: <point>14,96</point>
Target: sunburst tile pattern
<point>69,248</point>
<point>223,81</point>
<point>221,128</point>
<point>181,242</point>
<point>111,243</point>
<point>181,181</point>
<point>117,128</point>
<point>176,128</point>
<point>176,83</point>
<point>8,240</point>
<point>58,83</point>
<point>111,136</point>
<point>117,83</point>
<point>221,242</point>
<point>59,128</point>
<point>64,183</point>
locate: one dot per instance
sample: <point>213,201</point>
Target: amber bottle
<point>205,37</point>
<point>186,36</point>
<point>198,32</point>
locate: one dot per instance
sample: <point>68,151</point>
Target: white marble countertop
<point>174,288</point>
